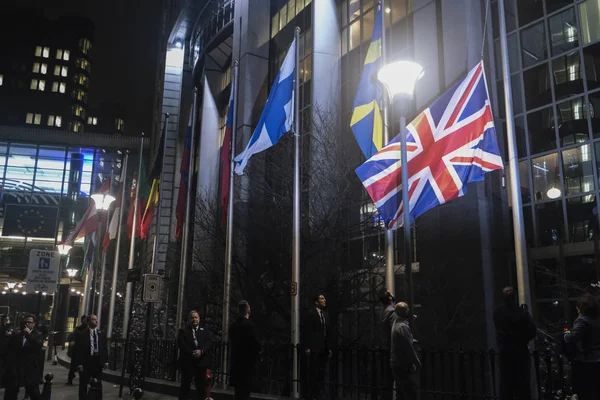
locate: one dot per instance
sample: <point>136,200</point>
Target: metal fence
<point>357,373</point>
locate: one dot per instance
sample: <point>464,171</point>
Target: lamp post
<point>72,272</point>
<point>399,79</point>
<point>103,202</point>
<point>63,250</point>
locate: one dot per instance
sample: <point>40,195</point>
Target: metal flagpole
<point>103,273</point>
<point>186,230</point>
<point>161,194</point>
<point>515,184</point>
<point>113,293</point>
<point>129,290</point>
<point>229,240</point>
<point>389,233</point>
<point>89,278</point>
<point>406,205</point>
<point>295,287</point>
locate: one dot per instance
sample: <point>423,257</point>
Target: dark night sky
<point>124,53</point>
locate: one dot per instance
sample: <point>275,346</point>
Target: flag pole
<point>295,287</point>
<point>89,278</point>
<point>390,283</point>
<point>229,239</point>
<point>113,293</point>
<point>103,273</point>
<point>160,195</point>
<point>129,290</point>
<point>186,230</point>
<point>514,181</point>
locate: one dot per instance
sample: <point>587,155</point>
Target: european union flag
<point>30,221</point>
<point>367,123</point>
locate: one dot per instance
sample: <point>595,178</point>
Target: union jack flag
<point>451,143</point>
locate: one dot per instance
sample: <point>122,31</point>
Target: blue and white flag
<point>278,115</point>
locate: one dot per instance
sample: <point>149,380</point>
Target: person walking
<point>318,346</point>
<point>404,361</point>
<point>24,364</point>
<point>245,350</point>
<point>71,350</point>
<point>194,344</point>
<point>585,336</point>
<point>90,355</point>
<point>514,330</point>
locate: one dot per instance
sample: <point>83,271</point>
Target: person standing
<point>387,318</point>
<point>245,349</point>
<point>318,346</point>
<point>71,351</point>
<point>24,364</point>
<point>194,344</point>
<point>514,330</point>
<point>585,336</point>
<point>404,360</point>
<point>90,355</point>
<point>6,333</point>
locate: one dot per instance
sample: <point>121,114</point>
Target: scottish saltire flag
<point>367,123</point>
<point>451,143</point>
<point>278,115</point>
<point>226,158</point>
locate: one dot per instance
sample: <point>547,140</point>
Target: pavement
<point>62,391</point>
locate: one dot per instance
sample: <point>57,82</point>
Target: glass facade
<point>554,53</point>
<point>50,183</point>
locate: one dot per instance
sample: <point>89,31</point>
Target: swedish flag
<point>367,123</point>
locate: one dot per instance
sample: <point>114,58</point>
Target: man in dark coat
<point>387,318</point>
<point>90,355</point>
<point>318,346</point>
<point>514,330</point>
<point>245,349</point>
<point>71,350</point>
<point>404,361</point>
<point>24,364</point>
<point>194,344</point>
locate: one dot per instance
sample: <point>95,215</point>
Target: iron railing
<point>356,373</point>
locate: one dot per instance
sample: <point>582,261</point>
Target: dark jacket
<point>514,328</point>
<point>402,351</point>
<point>82,353</point>
<point>318,338</point>
<point>185,342</point>
<point>585,335</point>
<point>245,349</point>
<point>71,338</point>
<point>23,358</point>
<point>388,316</point>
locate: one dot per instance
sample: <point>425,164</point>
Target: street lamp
<point>63,249</point>
<point>399,79</point>
<point>72,272</point>
<point>102,200</point>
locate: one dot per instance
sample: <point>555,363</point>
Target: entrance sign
<point>42,274</point>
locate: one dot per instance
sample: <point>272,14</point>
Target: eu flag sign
<point>29,220</point>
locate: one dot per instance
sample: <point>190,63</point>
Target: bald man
<point>404,360</point>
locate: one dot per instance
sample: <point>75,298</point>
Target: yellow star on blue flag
<point>367,123</point>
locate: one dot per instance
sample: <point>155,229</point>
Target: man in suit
<point>318,346</point>
<point>71,350</point>
<point>24,362</point>
<point>404,360</point>
<point>194,344</point>
<point>245,349</point>
<point>90,355</point>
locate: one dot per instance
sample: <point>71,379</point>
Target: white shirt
<point>92,340</point>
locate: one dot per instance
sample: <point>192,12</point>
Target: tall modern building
<point>50,162</point>
<point>464,250</point>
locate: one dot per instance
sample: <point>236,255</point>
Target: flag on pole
<point>277,116</point>
<point>89,221</point>
<point>226,158</point>
<point>154,177</point>
<point>184,170</point>
<point>450,144</point>
<point>367,123</point>
<point>88,254</point>
<point>143,200</point>
<point>113,227</point>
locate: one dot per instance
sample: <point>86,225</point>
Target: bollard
<point>47,390</point>
<point>138,393</point>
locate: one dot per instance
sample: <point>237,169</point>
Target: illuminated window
<point>92,121</point>
<point>54,87</point>
<point>64,71</point>
<point>56,70</point>
<point>38,51</point>
<point>42,85</point>
<point>29,118</point>
<point>58,121</point>
<point>46,52</point>
<point>75,126</point>
<point>51,120</point>
<point>62,87</point>
<point>83,64</point>
<point>40,68</point>
<point>66,55</point>
<point>81,80</point>
<point>79,95</point>
<point>79,111</point>
<point>1,79</point>
<point>37,119</point>
<point>85,45</point>
<point>36,68</point>
<point>120,124</point>
<point>59,54</point>
<point>34,84</point>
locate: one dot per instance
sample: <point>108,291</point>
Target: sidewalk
<point>61,391</point>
